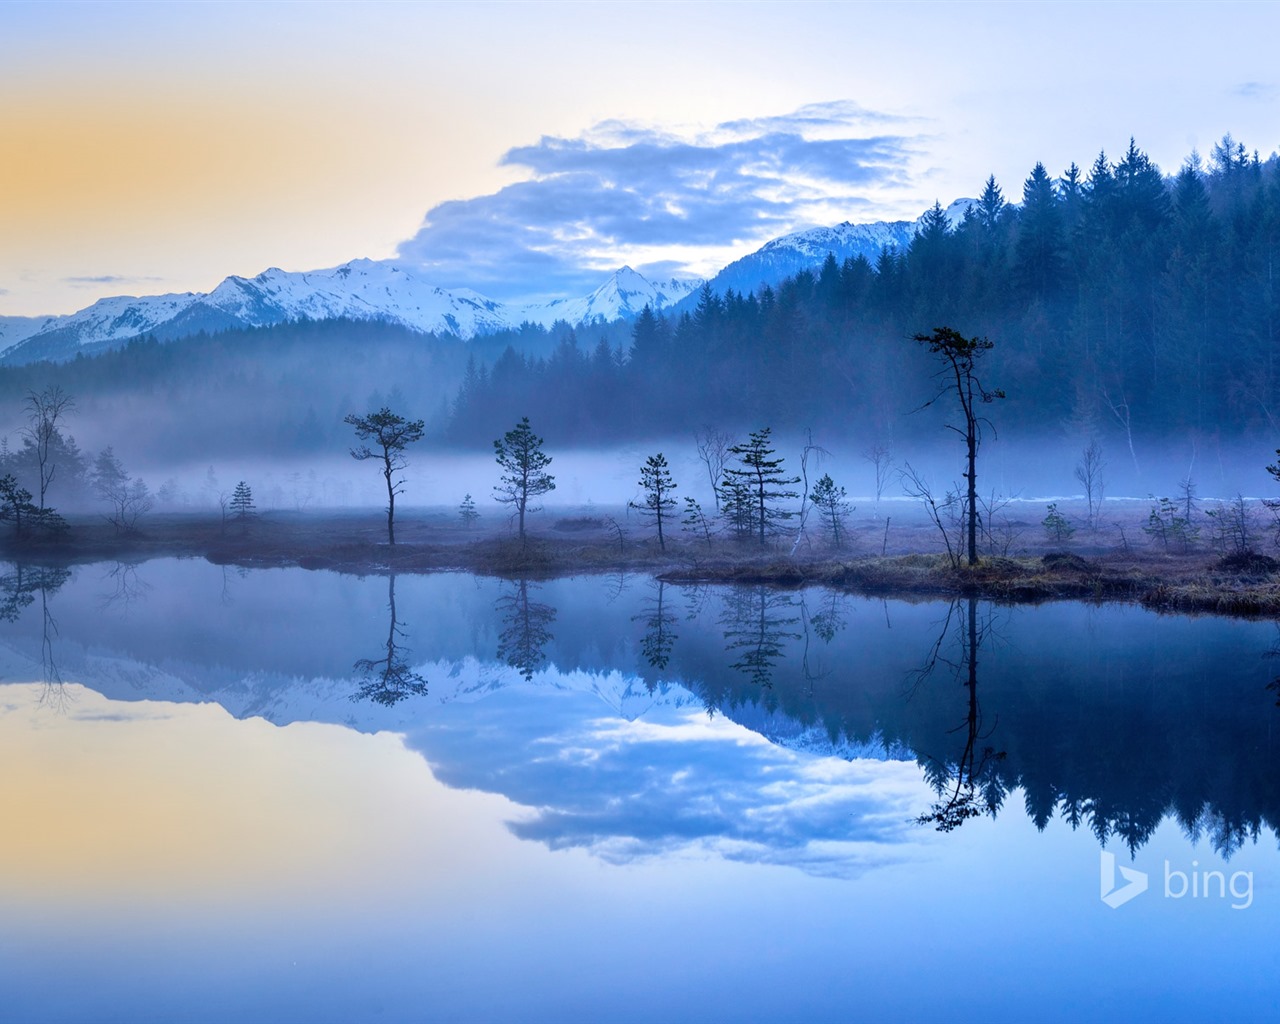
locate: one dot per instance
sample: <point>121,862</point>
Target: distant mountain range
<point>391,293</point>
<point>784,257</point>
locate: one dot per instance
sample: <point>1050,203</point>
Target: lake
<point>279,795</point>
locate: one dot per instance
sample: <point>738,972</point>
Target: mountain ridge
<point>385,291</point>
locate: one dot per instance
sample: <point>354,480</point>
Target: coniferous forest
<point>1121,301</point>
<point>1123,304</point>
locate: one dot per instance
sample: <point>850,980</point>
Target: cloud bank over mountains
<point>662,200</point>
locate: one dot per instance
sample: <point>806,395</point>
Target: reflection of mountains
<point>1110,717</point>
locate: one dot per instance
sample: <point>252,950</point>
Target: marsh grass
<point>355,543</point>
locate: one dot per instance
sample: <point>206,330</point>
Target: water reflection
<point>18,590</point>
<point>1108,718</point>
<point>758,623</point>
<point>659,633</point>
<point>525,627</point>
<point>966,784</point>
<point>127,586</point>
<point>389,679</point>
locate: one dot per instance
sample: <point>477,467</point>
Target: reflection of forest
<point>1110,717</point>
<point>1111,731</point>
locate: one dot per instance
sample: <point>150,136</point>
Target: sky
<point>526,150</point>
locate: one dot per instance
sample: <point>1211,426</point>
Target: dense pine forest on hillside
<point>1120,301</point>
<point>1123,304</point>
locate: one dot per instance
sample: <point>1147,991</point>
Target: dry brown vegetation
<point>1115,563</point>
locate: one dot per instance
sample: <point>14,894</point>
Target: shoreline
<point>354,543</point>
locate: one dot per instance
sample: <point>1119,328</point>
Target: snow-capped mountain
<point>359,290</point>
<point>391,293</point>
<point>14,328</point>
<point>806,250</point>
<point>625,294</point>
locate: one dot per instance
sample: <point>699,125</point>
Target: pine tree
<point>832,507</point>
<point>242,506</point>
<point>735,506</point>
<point>1039,253</point>
<point>991,205</point>
<point>655,478</point>
<point>695,520</point>
<point>467,512</point>
<point>16,505</point>
<point>519,453</point>
<point>759,481</point>
<point>391,434</point>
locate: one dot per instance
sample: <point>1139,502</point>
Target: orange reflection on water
<point>132,802</point>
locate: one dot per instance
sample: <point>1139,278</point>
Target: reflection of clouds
<point>689,782</point>
<point>600,762</point>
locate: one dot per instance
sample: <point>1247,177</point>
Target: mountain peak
<point>366,289</point>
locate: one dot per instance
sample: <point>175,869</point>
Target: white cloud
<point>623,192</point>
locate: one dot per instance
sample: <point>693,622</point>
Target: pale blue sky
<point>153,147</point>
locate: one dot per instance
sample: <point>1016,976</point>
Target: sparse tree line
<point>48,464</point>
<point>1127,304</point>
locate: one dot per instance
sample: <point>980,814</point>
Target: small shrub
<point>1056,525</point>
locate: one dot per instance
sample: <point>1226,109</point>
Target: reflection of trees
<point>389,680</point>
<point>18,590</point>
<point>969,783</point>
<point>1274,652</point>
<point>756,620</point>
<point>659,636</point>
<point>525,629</point>
<point>825,624</point>
<point>127,587</point>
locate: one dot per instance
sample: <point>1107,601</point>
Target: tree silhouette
<point>959,356</point>
<point>519,453</point>
<point>758,478</point>
<point>657,504</point>
<point>389,680</point>
<point>242,506</point>
<point>390,435</point>
<point>958,780</point>
<point>525,628</point>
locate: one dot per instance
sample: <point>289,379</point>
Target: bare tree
<point>1089,472</point>
<point>996,526</point>
<point>44,410</point>
<point>713,450</point>
<point>817,453</point>
<point>1120,410</point>
<point>941,512</point>
<point>880,457</point>
<point>129,498</point>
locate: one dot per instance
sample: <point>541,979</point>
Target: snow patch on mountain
<point>392,293</point>
<point>786,256</point>
<point>14,329</point>
<point>625,294</point>
<point>360,290</point>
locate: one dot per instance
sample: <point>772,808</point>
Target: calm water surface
<point>282,795</point>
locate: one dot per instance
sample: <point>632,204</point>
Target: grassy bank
<point>356,543</point>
